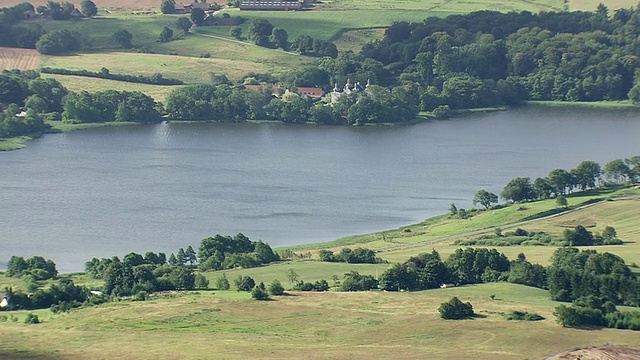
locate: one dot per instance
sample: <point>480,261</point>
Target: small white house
<point>4,302</point>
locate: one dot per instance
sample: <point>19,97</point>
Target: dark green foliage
<point>167,6</point>
<point>184,24</point>
<point>468,266</point>
<point>59,42</point>
<point>110,105</point>
<point>225,252</point>
<point>306,45</point>
<point>279,38</point>
<point>37,267</point>
<point>166,35</point>
<point>523,272</point>
<point>518,190</point>
<point>485,198</point>
<point>197,16</point>
<point>244,283</point>
<point>574,274</point>
<point>259,293</point>
<point>578,237</point>
<point>276,288</point>
<point>426,271</point>
<point>455,309</point>
<point>123,38</point>
<point>259,31</point>
<point>522,316</point>
<point>354,281</point>
<point>32,319</point>
<point>356,256</point>
<point>88,8</point>
<point>236,32</point>
<point>320,285</point>
<point>222,283</point>
<point>201,282</point>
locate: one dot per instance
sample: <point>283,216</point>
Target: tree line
<point>487,58</point>
<point>104,73</point>
<point>32,100</point>
<point>226,103</point>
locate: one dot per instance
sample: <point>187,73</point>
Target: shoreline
<point>19,142</point>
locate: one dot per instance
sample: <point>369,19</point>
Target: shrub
<point>276,288</point>
<point>522,315</point>
<point>259,293</point>
<point>32,319</point>
<point>455,309</point>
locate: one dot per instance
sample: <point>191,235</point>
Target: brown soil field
<point>603,352</point>
<point>22,59</point>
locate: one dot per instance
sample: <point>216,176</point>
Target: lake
<point>109,191</point>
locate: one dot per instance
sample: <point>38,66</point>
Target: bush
<point>522,315</point>
<point>455,309</point>
<point>259,293</point>
<point>32,319</point>
<point>222,283</point>
<point>276,288</point>
<point>244,283</point>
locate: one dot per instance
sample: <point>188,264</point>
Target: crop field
<point>22,59</point>
<point>80,83</point>
<point>304,325</point>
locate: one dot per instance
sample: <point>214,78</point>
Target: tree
<point>560,180</point>
<point>236,32</point>
<point>166,34</point>
<point>244,283</point>
<point>276,288</point>
<point>517,190</point>
<point>292,275</point>
<point>197,16</point>
<point>167,6</point>
<point>586,174</point>
<point>184,24</point>
<point>279,38</point>
<point>190,255</point>
<point>222,283</point>
<point>561,201</point>
<point>485,198</point>
<point>123,38</point>
<point>201,282</point>
<point>455,309</point>
<point>88,8</point>
<point>259,31</point>
<point>616,170</point>
<point>258,293</point>
<point>181,257</point>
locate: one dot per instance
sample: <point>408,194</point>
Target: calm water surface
<point>110,191</point>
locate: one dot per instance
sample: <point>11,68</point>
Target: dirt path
<point>491,229</point>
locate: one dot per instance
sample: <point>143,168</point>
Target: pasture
<point>304,326</point>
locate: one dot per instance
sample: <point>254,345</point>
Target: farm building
<point>271,5</point>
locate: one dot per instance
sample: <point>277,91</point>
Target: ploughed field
<point>22,59</point>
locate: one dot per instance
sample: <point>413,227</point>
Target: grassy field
<point>304,325</point>
<point>80,83</point>
<point>228,324</point>
<point>13,143</point>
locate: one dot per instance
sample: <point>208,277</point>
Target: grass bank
<point>14,143</point>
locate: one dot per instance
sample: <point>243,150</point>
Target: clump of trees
<point>455,309</point>
<point>579,236</point>
<point>355,256</point>
<point>110,105</point>
<point>226,252</point>
<point>36,267</point>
